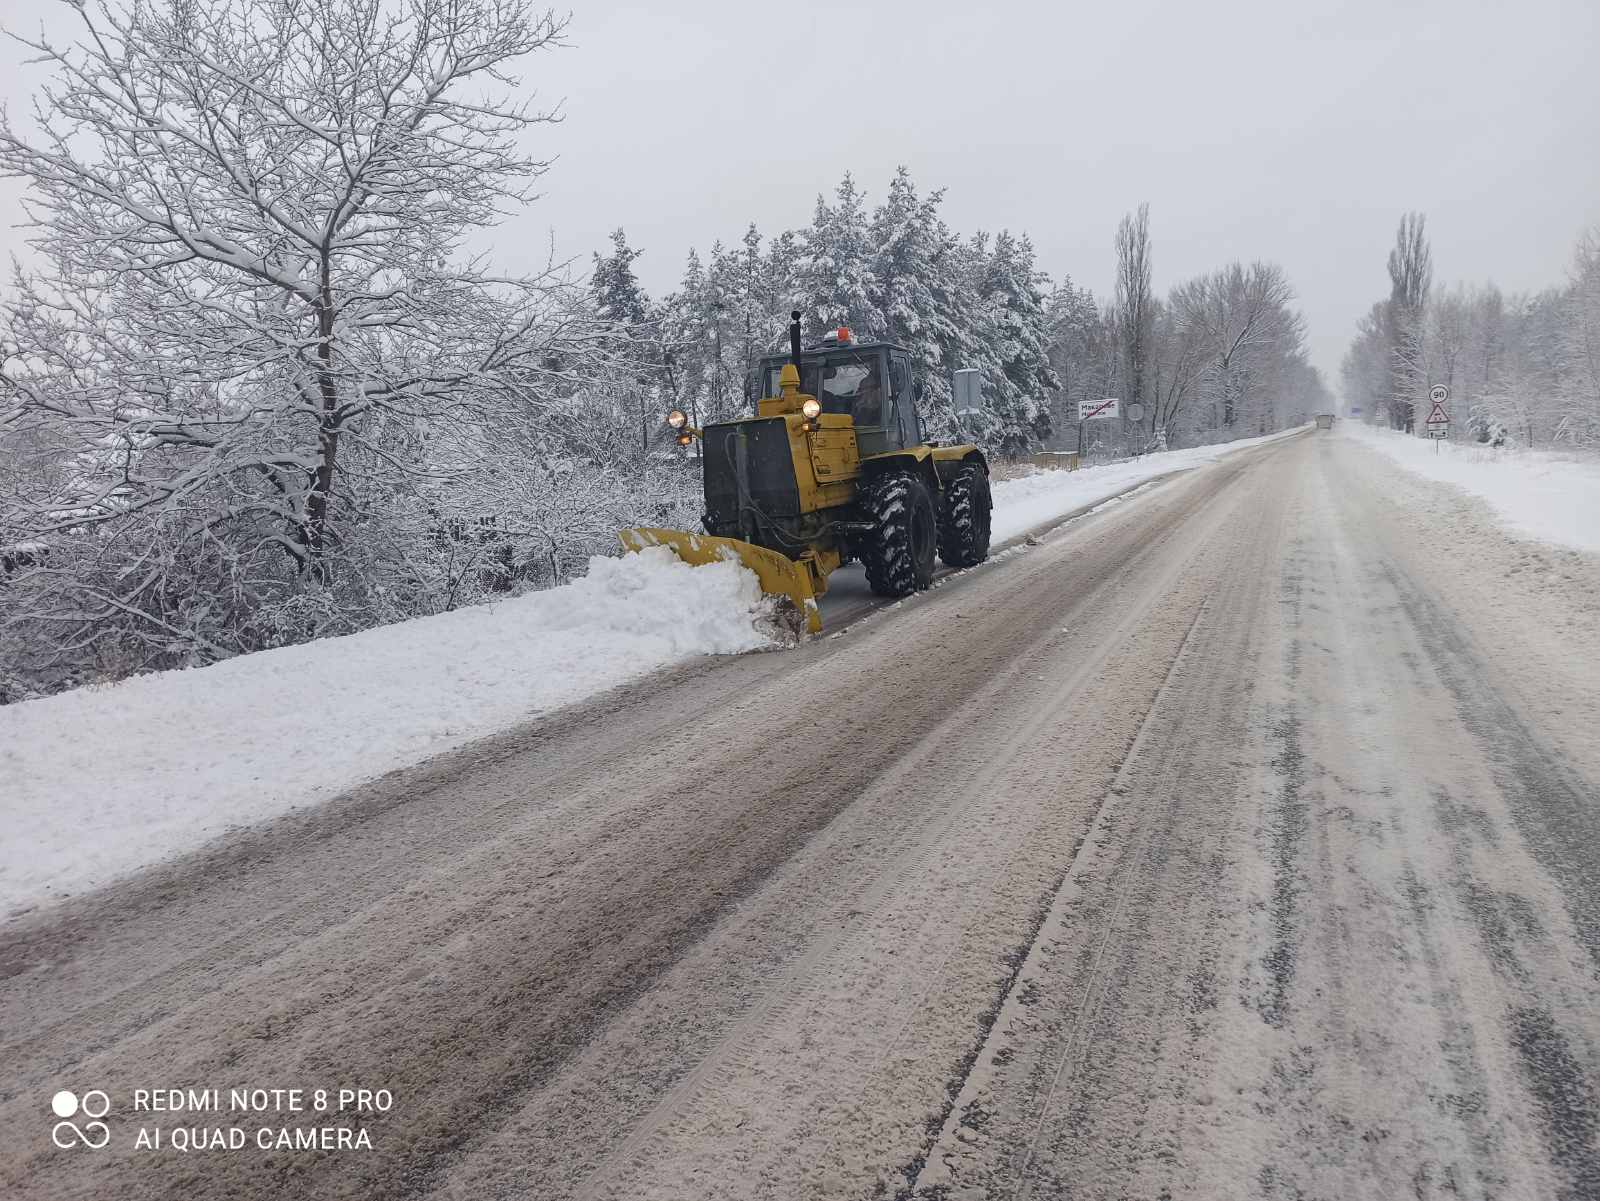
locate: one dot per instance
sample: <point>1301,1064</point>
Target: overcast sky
<point>1286,130</point>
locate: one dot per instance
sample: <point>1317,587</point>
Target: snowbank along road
<point>1239,840</point>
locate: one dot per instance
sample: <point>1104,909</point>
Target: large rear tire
<point>899,552</point>
<point>964,524</point>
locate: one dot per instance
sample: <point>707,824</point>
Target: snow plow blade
<point>779,575</point>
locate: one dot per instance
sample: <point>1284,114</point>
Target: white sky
<point>1292,130</point>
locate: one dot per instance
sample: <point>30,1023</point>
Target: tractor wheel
<point>964,524</point>
<point>898,554</point>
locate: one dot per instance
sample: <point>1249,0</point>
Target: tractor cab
<point>869,382</point>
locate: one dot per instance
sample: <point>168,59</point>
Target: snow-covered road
<point>100,782</point>
<point>1238,840</point>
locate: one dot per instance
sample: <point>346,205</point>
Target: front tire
<point>964,524</point>
<point>898,555</point>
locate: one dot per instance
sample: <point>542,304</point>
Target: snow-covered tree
<point>1182,357</point>
<point>1580,346</point>
<point>1244,319</point>
<point>1135,300</point>
<point>684,336</point>
<point>252,317</point>
<point>1364,371</point>
<point>898,274</point>
<point>1077,352</point>
<point>635,360</point>
<point>925,305</point>
<point>834,285</point>
<point>1014,332</point>
<point>618,296</point>
<point>1520,368</point>
<point>1410,277</point>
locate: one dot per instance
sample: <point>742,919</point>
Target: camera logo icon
<point>93,1105</point>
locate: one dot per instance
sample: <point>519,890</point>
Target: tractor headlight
<point>810,408</point>
<point>677,419</point>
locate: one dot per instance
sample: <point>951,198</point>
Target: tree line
<point>253,391</point>
<point>1222,355</point>
<point>1522,368</point>
<point>894,272</point>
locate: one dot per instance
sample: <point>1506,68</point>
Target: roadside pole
<point>966,394</point>
<point>1438,423</point>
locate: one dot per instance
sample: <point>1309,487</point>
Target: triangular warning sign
<point>1438,416</point>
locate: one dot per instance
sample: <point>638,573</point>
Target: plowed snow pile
<point>97,782</point>
<point>1030,500</point>
<point>1538,494</point>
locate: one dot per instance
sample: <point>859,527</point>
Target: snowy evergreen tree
<point>635,355</point>
<point>618,296</point>
<point>1077,352</point>
<point>833,278</point>
<point>685,336</point>
<point>900,275</point>
<point>1016,333</point>
<point>782,274</point>
<point>721,314</point>
<point>919,304</point>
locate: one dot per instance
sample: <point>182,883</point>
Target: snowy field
<point>1538,494</point>
<point>98,782</point>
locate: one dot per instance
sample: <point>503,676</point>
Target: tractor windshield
<point>850,383</point>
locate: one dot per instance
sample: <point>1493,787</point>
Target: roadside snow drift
<point>1031,500</point>
<point>97,782</point>
<point>1538,494</point>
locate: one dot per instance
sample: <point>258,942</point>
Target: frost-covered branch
<point>253,314</point>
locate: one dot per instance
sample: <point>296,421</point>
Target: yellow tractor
<point>833,466</point>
